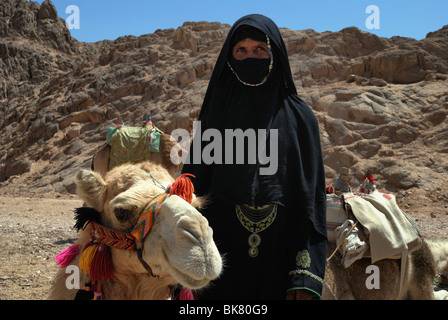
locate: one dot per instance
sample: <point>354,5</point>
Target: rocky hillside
<point>382,104</point>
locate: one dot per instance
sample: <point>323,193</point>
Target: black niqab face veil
<point>230,105</point>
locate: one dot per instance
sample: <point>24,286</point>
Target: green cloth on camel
<point>132,144</point>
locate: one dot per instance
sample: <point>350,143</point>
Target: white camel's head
<point>178,247</point>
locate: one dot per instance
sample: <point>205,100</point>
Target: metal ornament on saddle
<point>95,257</point>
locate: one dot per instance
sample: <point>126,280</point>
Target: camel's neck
<point>136,287</point>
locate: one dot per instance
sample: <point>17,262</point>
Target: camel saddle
<point>132,144</point>
<point>388,231</point>
<point>391,233</point>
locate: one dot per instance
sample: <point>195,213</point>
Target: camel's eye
<point>122,214</point>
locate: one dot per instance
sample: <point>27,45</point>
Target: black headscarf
<point>299,182</point>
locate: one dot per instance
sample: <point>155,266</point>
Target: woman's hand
<point>300,294</point>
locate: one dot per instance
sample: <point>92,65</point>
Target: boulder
<point>17,167</point>
<point>47,11</point>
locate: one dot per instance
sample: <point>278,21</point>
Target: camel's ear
<point>91,188</point>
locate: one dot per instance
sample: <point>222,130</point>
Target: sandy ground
<point>34,230</point>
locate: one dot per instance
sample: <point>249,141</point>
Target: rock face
<point>382,104</point>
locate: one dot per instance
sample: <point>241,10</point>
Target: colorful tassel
<point>87,257</point>
<point>85,215</point>
<point>101,266</point>
<point>186,294</point>
<point>66,256</point>
<point>97,293</point>
<point>182,187</point>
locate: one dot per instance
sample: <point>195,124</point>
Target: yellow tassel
<point>86,258</point>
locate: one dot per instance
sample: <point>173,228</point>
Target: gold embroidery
<point>256,220</point>
<point>306,272</point>
<point>303,259</point>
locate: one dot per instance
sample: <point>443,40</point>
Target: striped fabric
<point>112,238</point>
<point>148,217</point>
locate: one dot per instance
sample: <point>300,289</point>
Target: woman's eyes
<point>256,49</point>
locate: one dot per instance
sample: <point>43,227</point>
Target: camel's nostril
<point>190,234</point>
<point>190,229</point>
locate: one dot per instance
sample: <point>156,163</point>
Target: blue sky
<point>110,19</point>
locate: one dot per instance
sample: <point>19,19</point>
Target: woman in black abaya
<point>271,227</point>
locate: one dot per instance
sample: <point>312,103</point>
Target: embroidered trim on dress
<point>255,220</point>
<point>306,272</point>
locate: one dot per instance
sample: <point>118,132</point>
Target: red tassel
<point>65,258</point>
<point>370,178</point>
<point>101,266</point>
<point>183,187</point>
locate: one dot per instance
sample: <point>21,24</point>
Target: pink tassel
<point>186,294</point>
<point>65,258</point>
